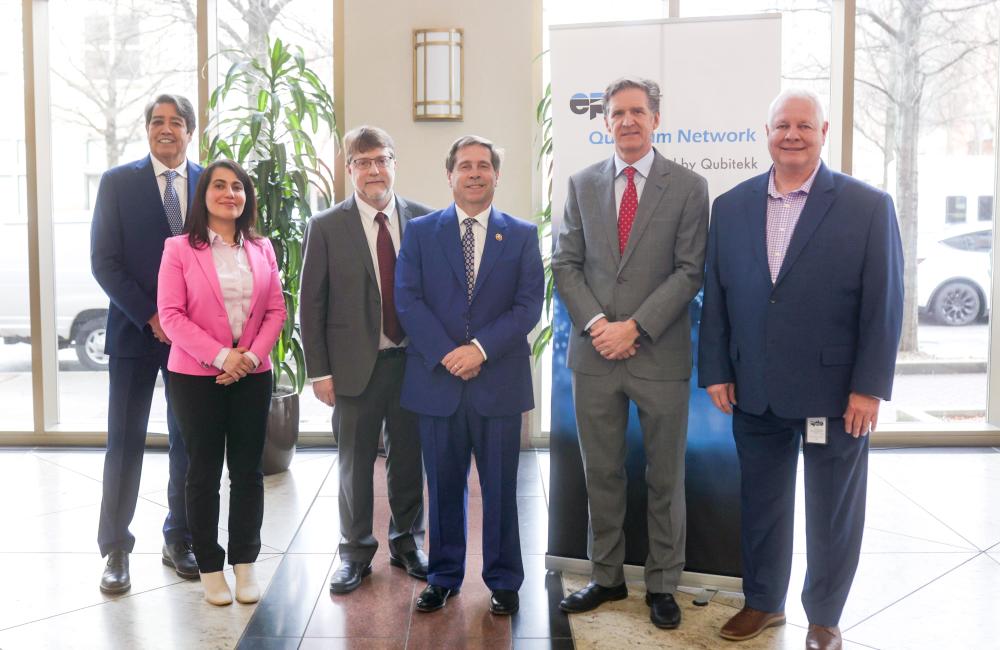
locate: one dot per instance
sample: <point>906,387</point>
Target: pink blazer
<point>193,314</point>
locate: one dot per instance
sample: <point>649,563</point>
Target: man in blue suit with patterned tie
<point>801,320</point>
<point>469,287</point>
<point>139,205</point>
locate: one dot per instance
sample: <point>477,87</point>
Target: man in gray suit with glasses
<point>355,351</point>
<point>628,261</point>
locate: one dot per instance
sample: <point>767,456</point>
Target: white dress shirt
<point>236,283</point>
<point>180,182</point>
<point>479,243</point>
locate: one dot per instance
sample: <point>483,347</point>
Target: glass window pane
<point>15,354</point>
<point>925,120</point>
<point>108,61</point>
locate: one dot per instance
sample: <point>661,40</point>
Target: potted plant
<point>266,115</point>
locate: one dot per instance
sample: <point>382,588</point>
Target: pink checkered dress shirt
<point>783,212</point>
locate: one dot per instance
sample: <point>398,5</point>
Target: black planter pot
<point>282,431</point>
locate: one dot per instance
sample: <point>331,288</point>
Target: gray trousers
<point>602,406</point>
<point>357,425</point>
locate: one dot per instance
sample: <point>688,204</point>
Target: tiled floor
<point>929,574</point>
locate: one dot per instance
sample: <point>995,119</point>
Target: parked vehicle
<point>953,276</point>
<point>81,304</point>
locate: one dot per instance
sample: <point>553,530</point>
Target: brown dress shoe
<point>823,638</point>
<point>750,622</point>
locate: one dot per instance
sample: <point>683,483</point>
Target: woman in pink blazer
<point>221,306</point>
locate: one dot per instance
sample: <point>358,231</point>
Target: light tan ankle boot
<point>247,590</point>
<point>216,588</point>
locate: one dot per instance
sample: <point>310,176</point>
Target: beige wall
<point>501,42</point>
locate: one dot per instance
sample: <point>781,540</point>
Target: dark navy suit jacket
<point>126,243</point>
<point>431,301</point>
<point>829,325</point>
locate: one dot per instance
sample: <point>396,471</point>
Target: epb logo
<point>582,103</point>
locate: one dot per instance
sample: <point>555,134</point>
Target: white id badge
<point>816,431</point>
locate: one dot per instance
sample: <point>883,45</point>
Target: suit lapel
<point>359,242</point>
<point>450,240</point>
<point>207,264</point>
<point>492,248</point>
<point>261,271</point>
<point>149,188</point>
<point>192,183</point>
<point>821,197</point>
<point>756,209</point>
<point>608,213</point>
<point>652,194</point>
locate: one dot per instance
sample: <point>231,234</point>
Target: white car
<point>953,276</point>
<point>81,304</point>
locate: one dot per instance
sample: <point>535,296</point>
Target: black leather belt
<point>388,353</point>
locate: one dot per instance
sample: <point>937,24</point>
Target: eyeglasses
<point>364,164</point>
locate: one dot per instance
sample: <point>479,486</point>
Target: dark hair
<point>366,138</point>
<point>183,106</point>
<point>196,224</point>
<point>468,141</point>
<point>648,86</point>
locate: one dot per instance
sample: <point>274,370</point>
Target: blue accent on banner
<point>712,473</point>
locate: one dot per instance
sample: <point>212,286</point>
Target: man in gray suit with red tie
<point>355,355</point>
<point>628,261</point>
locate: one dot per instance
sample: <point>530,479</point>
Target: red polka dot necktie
<point>386,254</point>
<point>626,211</point>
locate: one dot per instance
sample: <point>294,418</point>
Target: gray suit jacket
<point>655,279</point>
<point>341,307</point>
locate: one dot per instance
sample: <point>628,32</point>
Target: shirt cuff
<point>593,320</point>
<point>220,358</point>
<point>324,377</point>
<point>481,350</point>
<point>253,357</point>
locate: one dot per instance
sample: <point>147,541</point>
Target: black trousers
<point>223,423</point>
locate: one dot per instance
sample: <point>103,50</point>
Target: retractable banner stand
<point>717,78</point>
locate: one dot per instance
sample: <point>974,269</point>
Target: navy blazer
<point>829,325</point>
<point>506,303</point>
<point>126,244</point>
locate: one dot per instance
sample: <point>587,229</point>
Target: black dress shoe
<point>504,602</point>
<point>663,611</point>
<point>348,576</point>
<point>115,579</point>
<point>433,598</point>
<point>180,558</point>
<point>591,597</point>
<point>415,563</point>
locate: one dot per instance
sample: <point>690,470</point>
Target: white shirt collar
<point>159,168</point>
<point>643,165</point>
<point>215,239</point>
<point>368,213</point>
<point>483,218</point>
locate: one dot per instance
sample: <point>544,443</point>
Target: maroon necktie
<point>387,273</point>
<point>626,211</point>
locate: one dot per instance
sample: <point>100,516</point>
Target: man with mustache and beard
<point>628,261</point>
<point>355,353</point>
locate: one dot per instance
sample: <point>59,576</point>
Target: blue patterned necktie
<point>171,204</point>
<point>469,252</point>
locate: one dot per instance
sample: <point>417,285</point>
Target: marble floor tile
<point>155,464</point>
<point>269,643</point>
<point>544,644</point>
<point>173,616</point>
<point>539,615</point>
<point>355,643</point>
<point>529,476</point>
<point>319,531</point>
<point>533,519</point>
<point>288,603</point>
<point>53,488</point>
<point>542,458</point>
<point>958,610</point>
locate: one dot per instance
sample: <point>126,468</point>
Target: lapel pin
<point>499,237</point>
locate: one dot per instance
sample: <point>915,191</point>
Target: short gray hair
<point>367,138</point>
<point>181,103</point>
<point>650,87</point>
<point>467,141</point>
<point>796,93</point>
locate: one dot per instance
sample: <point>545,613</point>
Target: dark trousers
<point>223,423</point>
<point>130,395</point>
<point>448,443</point>
<point>357,425</point>
<point>836,480</point>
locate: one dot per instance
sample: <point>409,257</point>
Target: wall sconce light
<point>438,74</point>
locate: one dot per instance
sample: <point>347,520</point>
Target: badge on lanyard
<point>816,431</point>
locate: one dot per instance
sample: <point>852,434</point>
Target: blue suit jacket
<point>126,243</point>
<point>829,325</point>
<point>431,301</point>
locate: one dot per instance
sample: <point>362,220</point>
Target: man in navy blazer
<point>801,321</point>
<point>139,205</point>
<point>469,287</point>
